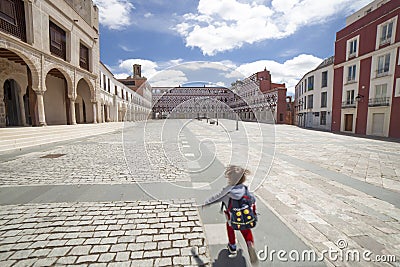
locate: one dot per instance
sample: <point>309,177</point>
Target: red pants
<point>247,234</point>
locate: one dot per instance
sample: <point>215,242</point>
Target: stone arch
<point>83,103</point>
<point>30,59</point>
<point>91,86</point>
<point>56,102</point>
<point>51,67</point>
<point>16,66</point>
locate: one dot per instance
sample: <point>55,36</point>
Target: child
<point>235,190</point>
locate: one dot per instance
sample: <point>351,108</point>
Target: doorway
<point>348,120</point>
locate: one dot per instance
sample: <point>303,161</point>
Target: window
<point>104,82</point>
<point>324,99</point>
<point>84,57</point>
<point>7,11</point>
<point>350,97</point>
<point>109,85</point>
<point>324,79</point>
<point>383,65</point>
<point>353,48</point>
<point>310,101</point>
<point>310,83</point>
<point>116,90</point>
<point>351,75</point>
<point>57,41</point>
<point>323,118</point>
<point>381,91</point>
<point>386,33</point>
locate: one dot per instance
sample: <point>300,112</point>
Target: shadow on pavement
<point>223,259</point>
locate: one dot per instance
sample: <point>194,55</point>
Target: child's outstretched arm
<point>217,197</point>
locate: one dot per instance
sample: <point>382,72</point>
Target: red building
<point>259,99</point>
<point>366,94</point>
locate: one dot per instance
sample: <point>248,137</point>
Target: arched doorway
<point>83,103</point>
<point>12,103</point>
<point>17,99</point>
<point>56,98</point>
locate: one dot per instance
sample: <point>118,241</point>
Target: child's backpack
<point>242,212</point>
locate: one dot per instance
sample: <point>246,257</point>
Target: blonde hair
<point>236,174</point>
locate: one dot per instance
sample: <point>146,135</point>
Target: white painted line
<point>201,186</point>
<point>189,155</point>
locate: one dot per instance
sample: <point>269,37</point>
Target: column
<point>72,111</point>
<point>40,106</point>
<point>103,113</point>
<point>108,113</point>
<point>2,112</point>
<point>22,109</point>
<point>94,112</point>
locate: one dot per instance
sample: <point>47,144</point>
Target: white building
<point>313,97</point>
<point>49,66</point>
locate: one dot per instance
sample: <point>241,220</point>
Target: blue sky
<point>219,41</point>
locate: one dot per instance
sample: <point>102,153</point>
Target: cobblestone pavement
<point>302,191</point>
<point>141,233</point>
<point>311,186</point>
<point>105,159</point>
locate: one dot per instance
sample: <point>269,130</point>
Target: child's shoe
<point>232,250</point>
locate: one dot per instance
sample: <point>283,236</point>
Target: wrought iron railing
<point>379,101</point>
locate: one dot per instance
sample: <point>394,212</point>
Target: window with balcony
<point>381,98</point>
<point>310,84</point>
<point>383,65</point>
<point>84,57</point>
<point>386,33</point>
<point>58,39</point>
<point>324,99</point>
<point>324,79</point>
<point>349,101</point>
<point>351,73</point>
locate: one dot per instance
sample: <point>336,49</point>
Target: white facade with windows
<point>120,103</point>
<point>313,97</point>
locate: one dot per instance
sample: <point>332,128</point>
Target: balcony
<point>349,104</point>
<point>379,102</point>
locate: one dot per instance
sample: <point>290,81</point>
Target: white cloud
<point>115,14</point>
<point>289,72</point>
<point>221,73</point>
<point>228,24</point>
<point>149,68</point>
<point>168,78</point>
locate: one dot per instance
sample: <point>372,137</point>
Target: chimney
<point>137,70</point>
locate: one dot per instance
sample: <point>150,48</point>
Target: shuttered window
<point>12,18</point>
<point>57,41</point>
<point>7,11</point>
<point>84,57</point>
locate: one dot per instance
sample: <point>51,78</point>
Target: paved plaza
<point>130,197</point>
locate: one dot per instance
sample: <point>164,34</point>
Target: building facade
<point>191,102</point>
<point>118,102</point>
<point>313,97</point>
<point>257,98</point>
<point>49,64</point>
<point>366,96</point>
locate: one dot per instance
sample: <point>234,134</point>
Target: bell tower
<point>137,70</point>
